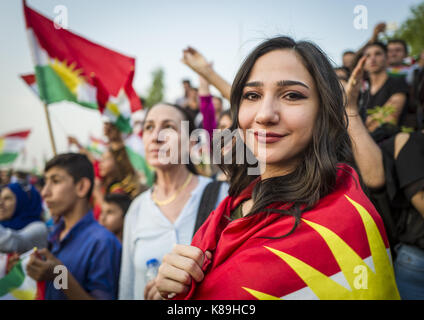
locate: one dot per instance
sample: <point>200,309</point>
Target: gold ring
<point>354,82</point>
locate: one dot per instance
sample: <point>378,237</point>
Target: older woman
<point>21,227</point>
<point>165,214</point>
<point>302,228</point>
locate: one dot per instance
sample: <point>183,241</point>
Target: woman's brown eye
<point>250,96</point>
<point>295,96</point>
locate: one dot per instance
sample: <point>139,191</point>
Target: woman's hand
<point>151,292</point>
<point>179,268</point>
<point>353,87</point>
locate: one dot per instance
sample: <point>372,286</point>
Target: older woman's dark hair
<point>316,174</point>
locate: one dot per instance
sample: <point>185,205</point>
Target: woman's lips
<point>268,137</point>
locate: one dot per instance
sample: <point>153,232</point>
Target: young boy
<point>114,208</point>
<point>90,252</point>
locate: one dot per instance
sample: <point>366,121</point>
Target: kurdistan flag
<point>135,150</point>
<point>96,146</point>
<point>16,285</point>
<point>31,81</point>
<point>11,145</point>
<point>69,67</point>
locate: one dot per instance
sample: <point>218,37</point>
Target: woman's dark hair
<point>316,174</point>
<point>191,127</point>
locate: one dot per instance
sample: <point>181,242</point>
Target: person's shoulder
<point>140,201</point>
<point>203,181</point>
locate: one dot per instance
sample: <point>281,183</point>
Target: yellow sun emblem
<point>70,75</point>
<point>380,281</point>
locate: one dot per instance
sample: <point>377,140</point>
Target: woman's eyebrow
<point>254,84</point>
<point>286,83</point>
<point>282,83</point>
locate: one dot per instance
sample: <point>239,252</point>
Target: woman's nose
<point>267,113</point>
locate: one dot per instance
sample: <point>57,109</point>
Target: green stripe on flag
<point>123,124</point>
<point>6,158</point>
<point>12,280</point>
<point>140,164</point>
<point>52,89</point>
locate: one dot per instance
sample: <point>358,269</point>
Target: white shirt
<point>148,234</point>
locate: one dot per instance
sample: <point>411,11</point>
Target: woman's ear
<point>82,187</point>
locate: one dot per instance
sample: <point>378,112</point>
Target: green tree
<point>412,30</point>
<point>156,91</point>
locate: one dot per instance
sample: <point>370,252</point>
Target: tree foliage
<point>156,91</point>
<point>412,30</point>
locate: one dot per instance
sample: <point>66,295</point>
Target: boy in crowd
<point>90,253</point>
<point>114,208</point>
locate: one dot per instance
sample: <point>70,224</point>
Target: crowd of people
<point>338,141</point>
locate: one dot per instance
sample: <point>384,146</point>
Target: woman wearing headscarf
<point>21,227</point>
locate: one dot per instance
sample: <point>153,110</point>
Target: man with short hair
<point>384,90</point>
<point>397,52</point>
<point>90,253</point>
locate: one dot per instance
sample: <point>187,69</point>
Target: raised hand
<point>197,62</point>
<point>353,87</point>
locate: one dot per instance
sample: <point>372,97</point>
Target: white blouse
<point>148,234</point>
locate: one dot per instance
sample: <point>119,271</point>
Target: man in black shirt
<point>383,91</point>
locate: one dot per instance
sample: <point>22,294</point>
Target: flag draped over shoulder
<point>69,67</point>
<point>11,145</point>
<point>338,251</point>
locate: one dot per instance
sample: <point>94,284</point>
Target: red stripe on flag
<point>29,78</point>
<point>20,134</point>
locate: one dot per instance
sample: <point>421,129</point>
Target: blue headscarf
<point>28,207</point>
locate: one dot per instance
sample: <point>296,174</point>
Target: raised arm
<point>206,107</point>
<point>379,28</point>
<point>367,153</point>
<point>197,62</point>
<point>81,149</point>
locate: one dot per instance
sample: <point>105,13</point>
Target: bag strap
<point>207,203</point>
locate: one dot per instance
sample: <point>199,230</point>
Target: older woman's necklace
<point>174,196</point>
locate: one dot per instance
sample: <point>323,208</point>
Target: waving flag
<point>135,150</point>
<point>31,81</point>
<point>16,285</point>
<point>339,251</point>
<point>96,146</point>
<point>69,67</point>
<point>11,145</point>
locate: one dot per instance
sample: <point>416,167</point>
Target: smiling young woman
<point>303,229</point>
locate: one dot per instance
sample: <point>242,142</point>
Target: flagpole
<point>49,125</point>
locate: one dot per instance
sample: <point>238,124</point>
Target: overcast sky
<point>155,33</point>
